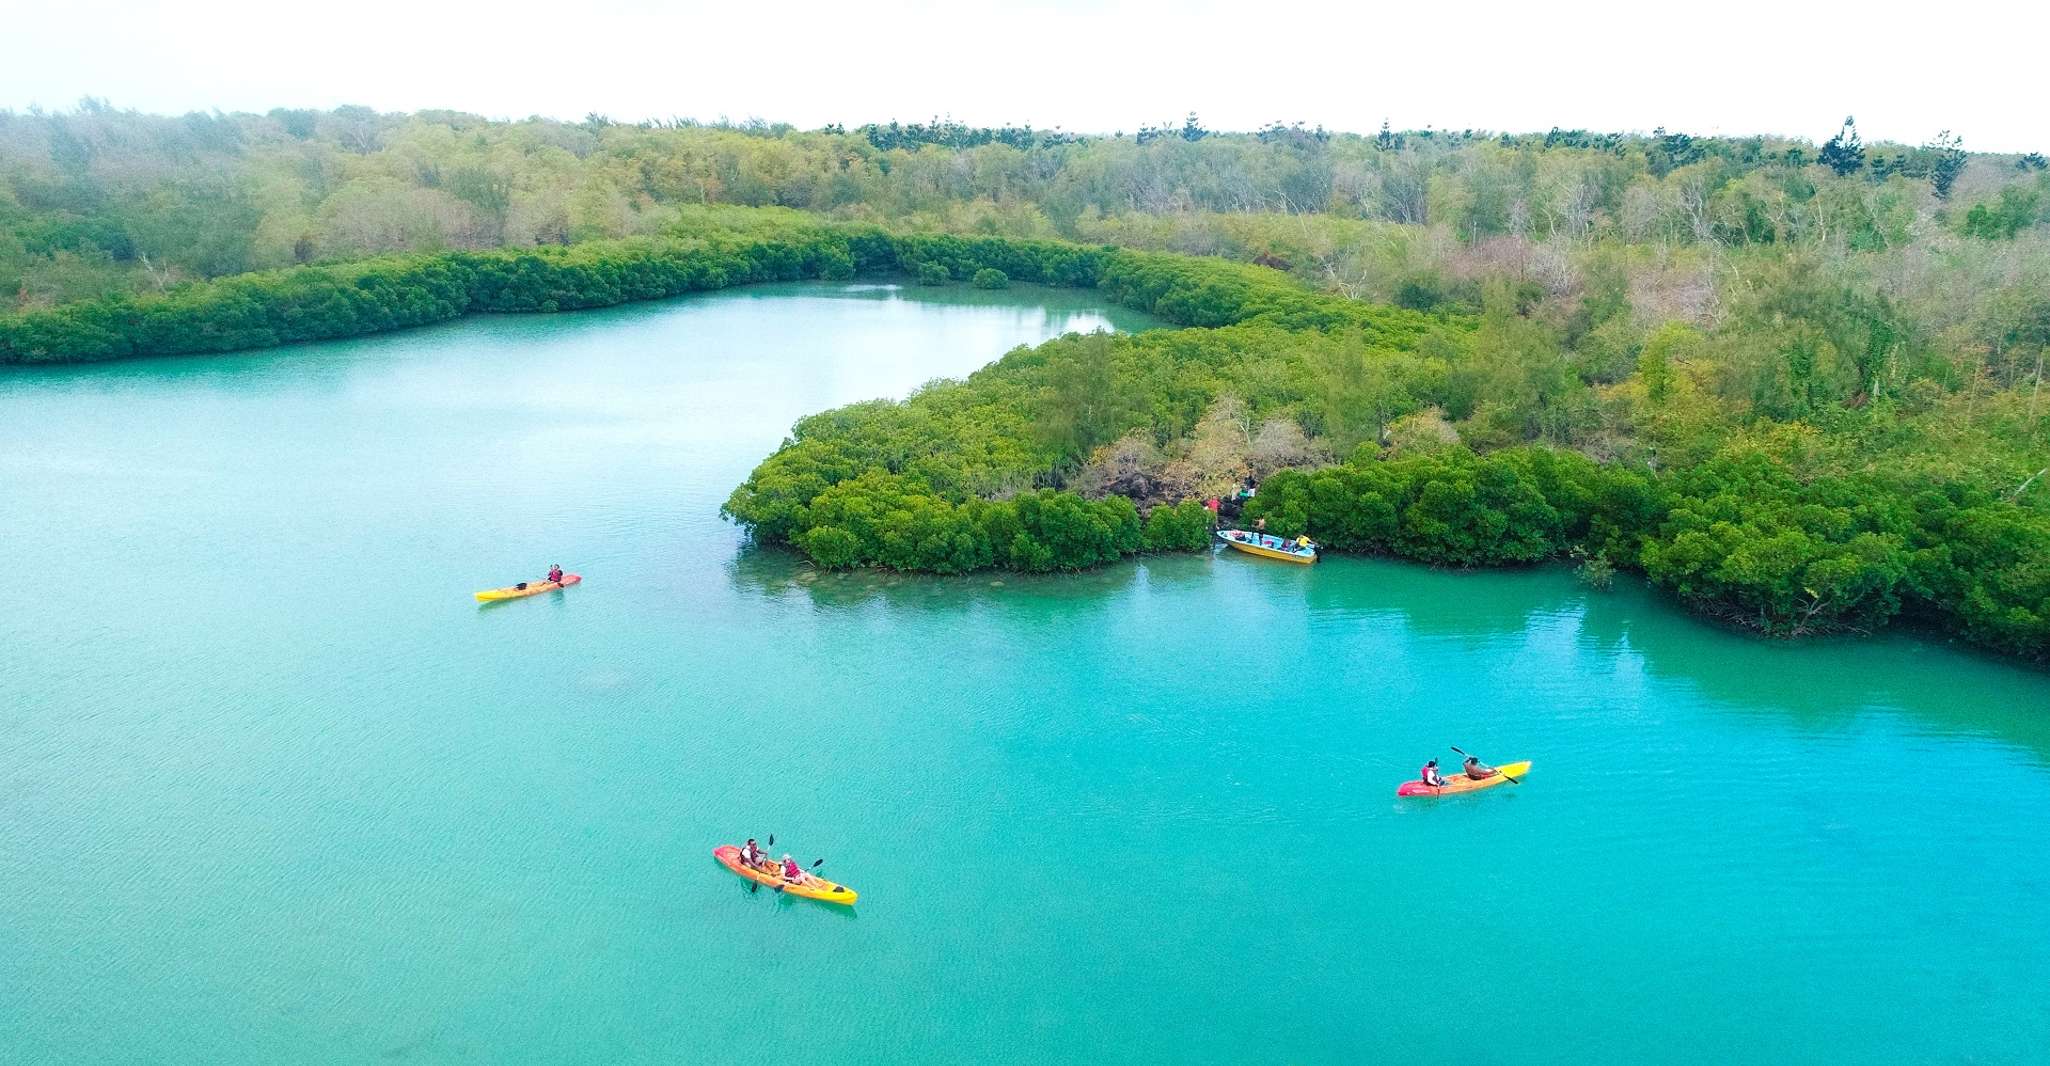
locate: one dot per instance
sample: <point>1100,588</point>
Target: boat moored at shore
<point>1268,546</point>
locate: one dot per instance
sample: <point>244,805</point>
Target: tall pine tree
<point>1947,161</point>
<point>1845,152</point>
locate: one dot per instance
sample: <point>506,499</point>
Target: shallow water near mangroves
<point>273,788</point>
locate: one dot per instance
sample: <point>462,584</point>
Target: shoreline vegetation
<point>1798,388</point>
<point>399,292</point>
<point>1042,460</point>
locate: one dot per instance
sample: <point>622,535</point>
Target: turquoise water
<point>274,789</point>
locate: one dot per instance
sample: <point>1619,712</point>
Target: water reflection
<point>1823,685</point>
<point>776,572</point>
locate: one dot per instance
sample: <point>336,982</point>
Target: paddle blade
<point>816,863</point>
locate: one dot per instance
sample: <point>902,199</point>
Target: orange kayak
<point>814,886</point>
<point>528,588</point>
<point>1459,782</point>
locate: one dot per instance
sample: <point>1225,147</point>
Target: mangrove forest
<point>1796,385</point>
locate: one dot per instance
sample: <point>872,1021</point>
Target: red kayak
<point>1457,781</point>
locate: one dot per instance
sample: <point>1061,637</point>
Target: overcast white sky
<point>1738,66</point>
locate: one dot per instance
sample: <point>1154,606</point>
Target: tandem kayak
<point>814,886</point>
<point>529,588</point>
<point>1459,782</point>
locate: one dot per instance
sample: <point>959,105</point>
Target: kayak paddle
<point>1505,777</point>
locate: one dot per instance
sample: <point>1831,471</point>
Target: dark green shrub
<point>1181,527</point>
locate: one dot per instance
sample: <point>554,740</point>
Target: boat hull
<point>1253,547</point>
<point>534,588</point>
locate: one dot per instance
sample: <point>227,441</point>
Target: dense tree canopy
<point>100,200</point>
<point>1800,386</point>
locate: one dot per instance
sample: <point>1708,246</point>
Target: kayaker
<point>1478,770</point>
<point>555,572</point>
<point>750,854</point>
<point>792,872</point>
<point>1431,775</point>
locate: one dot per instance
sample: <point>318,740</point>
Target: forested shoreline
<point>1796,385</point>
<point>351,299</point>
<point>1035,463</point>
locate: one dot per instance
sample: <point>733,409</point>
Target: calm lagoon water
<point>273,788</point>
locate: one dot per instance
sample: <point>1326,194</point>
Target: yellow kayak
<point>1457,781</point>
<point>528,588</point>
<point>814,886</point>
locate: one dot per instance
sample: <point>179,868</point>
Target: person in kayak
<point>555,572</point>
<point>751,855</point>
<point>1431,775</point>
<point>794,873</point>
<point>1478,770</point>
